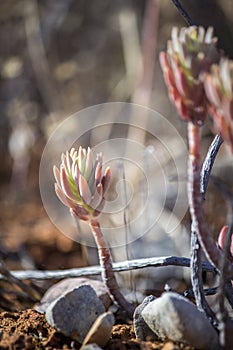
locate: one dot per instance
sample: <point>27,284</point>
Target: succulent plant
<point>219,90</point>
<point>222,238</point>
<point>80,184</point>
<point>190,52</point>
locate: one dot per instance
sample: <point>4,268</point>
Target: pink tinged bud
<point>98,173</point>
<point>201,34</point>
<point>65,184</point>
<point>219,90</point>
<point>72,152</point>
<point>189,52</point>
<point>226,77</point>
<point>84,189</point>
<point>74,157</point>
<point>98,196</point>
<point>75,175</point>
<point>211,91</point>
<point>99,158</point>
<point>209,35</point>
<point>84,152</point>
<point>179,77</point>
<point>106,180</point>
<point>222,239</point>
<point>175,42</point>
<point>166,69</point>
<point>62,197</point>
<point>80,154</point>
<point>63,161</point>
<point>81,159</point>
<point>91,180</point>
<point>56,174</point>
<point>68,162</point>
<point>100,207</point>
<point>89,164</point>
<point>231,109</point>
<point>222,236</point>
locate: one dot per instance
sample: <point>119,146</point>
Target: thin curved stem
<point>208,163</point>
<point>195,195</point>
<point>183,13</point>
<point>196,203</point>
<point>108,275</point>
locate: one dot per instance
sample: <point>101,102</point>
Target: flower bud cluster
<point>199,79</point>
<point>219,90</point>
<point>190,52</point>
<point>80,184</point>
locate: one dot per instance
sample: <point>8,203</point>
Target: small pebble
<point>91,347</point>
<point>69,284</point>
<point>141,329</point>
<point>74,313</point>
<point>170,346</point>
<point>101,330</point>
<point>174,317</point>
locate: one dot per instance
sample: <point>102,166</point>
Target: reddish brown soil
<point>29,330</point>
<point>20,326</point>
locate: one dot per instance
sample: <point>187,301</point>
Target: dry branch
<point>117,267</point>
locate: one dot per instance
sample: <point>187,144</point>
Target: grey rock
<point>141,329</point>
<point>70,284</point>
<point>74,313</point>
<point>91,347</point>
<point>176,318</point>
<point>101,330</point>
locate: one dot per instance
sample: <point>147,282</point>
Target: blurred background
<point>60,56</point>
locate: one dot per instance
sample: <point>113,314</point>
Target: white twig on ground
<point>117,267</point>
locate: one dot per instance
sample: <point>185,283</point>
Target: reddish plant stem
<point>196,203</point>
<point>195,261</point>
<point>108,275</point>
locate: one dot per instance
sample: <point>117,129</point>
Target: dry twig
<point>117,267</point>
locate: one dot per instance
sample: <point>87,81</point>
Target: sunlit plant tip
<point>80,184</point>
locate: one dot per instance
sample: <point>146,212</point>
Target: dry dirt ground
<point>29,330</point>
<point>31,236</point>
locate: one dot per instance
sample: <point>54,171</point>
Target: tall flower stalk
<point>195,199</point>
<point>190,54</point>
<point>81,186</point>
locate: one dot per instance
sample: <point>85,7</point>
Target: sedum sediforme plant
<point>219,90</point>
<point>190,54</point>
<point>222,240</point>
<point>81,186</point>
<point>197,83</point>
